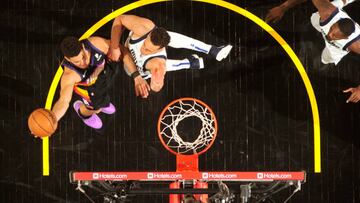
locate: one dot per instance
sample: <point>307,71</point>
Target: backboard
<point>187,183</point>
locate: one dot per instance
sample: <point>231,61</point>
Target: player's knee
<point>156,85</point>
<point>156,89</point>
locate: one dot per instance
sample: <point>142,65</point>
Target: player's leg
<point>178,40</point>
<point>193,62</point>
<point>86,111</point>
<point>88,115</point>
<point>107,78</point>
<point>181,41</point>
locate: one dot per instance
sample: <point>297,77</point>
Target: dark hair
<point>346,26</point>
<point>160,37</point>
<point>70,46</point>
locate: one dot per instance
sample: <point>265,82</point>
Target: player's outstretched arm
<point>67,84</point>
<point>157,67</point>
<point>355,94</point>
<point>277,12</point>
<point>324,7</point>
<point>138,25</point>
<point>116,32</point>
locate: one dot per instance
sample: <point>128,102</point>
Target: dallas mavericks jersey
<point>334,50</point>
<point>140,60</point>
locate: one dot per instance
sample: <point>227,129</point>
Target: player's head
<point>156,40</point>
<point>342,29</point>
<point>73,51</point>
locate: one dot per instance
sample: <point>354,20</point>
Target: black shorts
<point>98,92</point>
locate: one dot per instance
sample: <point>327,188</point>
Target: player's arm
<point>138,25</point>
<point>355,47</point>
<point>324,7</point>
<point>276,13</point>
<point>67,84</point>
<point>355,91</point>
<point>157,67</point>
<point>142,88</point>
<point>101,43</point>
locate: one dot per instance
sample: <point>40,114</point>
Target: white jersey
<point>140,60</point>
<point>334,50</point>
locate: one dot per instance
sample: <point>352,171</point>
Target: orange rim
<point>186,99</point>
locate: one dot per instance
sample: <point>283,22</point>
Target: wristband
<point>135,74</point>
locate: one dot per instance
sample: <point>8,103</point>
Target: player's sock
<point>81,115</point>
<point>174,65</point>
<point>196,62</point>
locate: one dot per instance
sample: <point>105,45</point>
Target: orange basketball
<point>42,122</point>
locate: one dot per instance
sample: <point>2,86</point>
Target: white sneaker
<point>224,52</point>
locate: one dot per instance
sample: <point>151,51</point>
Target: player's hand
<point>114,54</point>
<point>275,14</point>
<point>142,88</point>
<point>355,94</point>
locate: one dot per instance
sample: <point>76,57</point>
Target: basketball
<point>42,122</point>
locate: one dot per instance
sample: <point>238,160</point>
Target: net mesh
<point>176,113</point>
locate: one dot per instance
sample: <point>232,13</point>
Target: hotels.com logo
<point>164,176</point>
<point>273,176</point>
<point>95,176</point>
<point>109,176</point>
<point>219,176</point>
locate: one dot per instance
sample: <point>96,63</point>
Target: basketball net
<point>187,152</point>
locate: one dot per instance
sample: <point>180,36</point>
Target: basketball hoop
<point>187,182</point>
<point>178,111</point>
<point>173,140</point>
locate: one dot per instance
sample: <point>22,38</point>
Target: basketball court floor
<point>264,116</point>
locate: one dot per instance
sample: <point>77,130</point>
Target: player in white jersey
<point>147,44</point>
<point>340,33</point>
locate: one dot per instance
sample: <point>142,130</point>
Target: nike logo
<point>97,56</point>
<point>84,73</point>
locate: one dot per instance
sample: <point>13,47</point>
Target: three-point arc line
<point>224,4</point>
